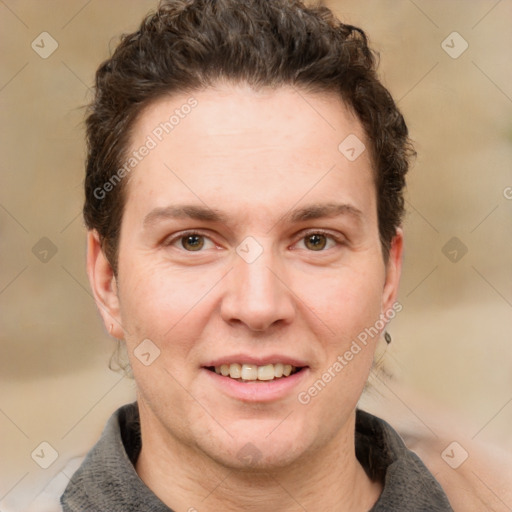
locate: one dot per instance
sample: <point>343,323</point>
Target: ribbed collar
<point>107,481</point>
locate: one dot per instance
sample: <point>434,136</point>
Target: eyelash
<point>339,240</point>
<point>185,234</point>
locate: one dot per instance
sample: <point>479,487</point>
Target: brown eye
<point>315,241</point>
<point>192,242</point>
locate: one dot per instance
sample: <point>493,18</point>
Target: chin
<point>269,447</point>
<point>250,458</point>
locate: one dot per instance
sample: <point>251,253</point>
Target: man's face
<point>249,239</point>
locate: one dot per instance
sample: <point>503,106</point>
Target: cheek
<point>348,308</point>
<point>157,300</point>
<point>346,301</point>
<point>169,309</point>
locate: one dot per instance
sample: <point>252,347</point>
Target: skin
<point>255,157</point>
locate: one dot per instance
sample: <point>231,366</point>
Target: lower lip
<point>258,391</point>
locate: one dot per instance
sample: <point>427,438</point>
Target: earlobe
<point>104,285</point>
<point>393,271</point>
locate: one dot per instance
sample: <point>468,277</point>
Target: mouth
<point>248,372</point>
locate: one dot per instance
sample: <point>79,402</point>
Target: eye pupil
<point>316,242</point>
<point>192,242</point>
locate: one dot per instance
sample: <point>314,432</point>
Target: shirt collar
<point>107,481</point>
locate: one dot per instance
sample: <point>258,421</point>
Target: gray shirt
<point>107,481</point>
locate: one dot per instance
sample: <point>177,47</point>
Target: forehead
<point>267,147</point>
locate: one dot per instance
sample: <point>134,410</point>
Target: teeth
<point>249,372</point>
<point>254,372</point>
<point>235,371</point>
<point>266,372</point>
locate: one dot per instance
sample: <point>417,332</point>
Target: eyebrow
<point>202,213</point>
<point>184,211</point>
<point>327,210</point>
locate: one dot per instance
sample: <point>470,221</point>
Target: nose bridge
<point>255,295</point>
<point>257,281</point>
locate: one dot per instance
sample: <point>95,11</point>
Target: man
<point>243,199</point>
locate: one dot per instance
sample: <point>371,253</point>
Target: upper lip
<point>257,360</point>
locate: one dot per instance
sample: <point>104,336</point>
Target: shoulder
<point>475,476</point>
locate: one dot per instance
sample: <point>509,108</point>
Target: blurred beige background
<point>451,344</point>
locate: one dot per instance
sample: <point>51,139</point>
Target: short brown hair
<point>188,45</point>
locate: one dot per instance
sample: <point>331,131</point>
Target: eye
<point>191,242</point>
<point>318,241</point>
<point>315,241</point>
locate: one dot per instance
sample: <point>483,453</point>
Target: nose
<point>256,294</point>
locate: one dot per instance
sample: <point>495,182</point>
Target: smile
<point>247,372</point>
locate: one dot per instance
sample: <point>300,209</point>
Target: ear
<point>393,271</point>
<point>104,286</point>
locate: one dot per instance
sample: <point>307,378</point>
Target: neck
<point>186,479</point>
